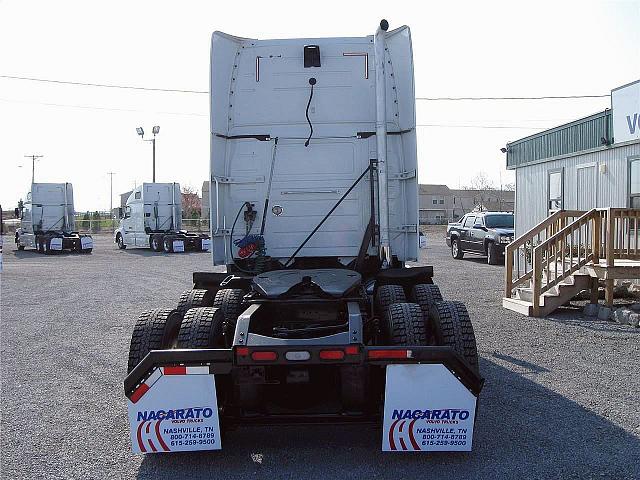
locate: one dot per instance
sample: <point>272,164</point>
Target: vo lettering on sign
<point>633,123</point>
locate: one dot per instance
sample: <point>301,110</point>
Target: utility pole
<point>111,174</point>
<point>33,165</point>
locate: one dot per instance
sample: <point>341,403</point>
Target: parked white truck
<point>47,221</point>
<point>314,213</point>
<point>152,218</point>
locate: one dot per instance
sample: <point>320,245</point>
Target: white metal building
<point>588,163</point>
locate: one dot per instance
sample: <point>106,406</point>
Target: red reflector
<point>389,354</point>
<point>352,350</point>
<point>175,370</point>
<point>242,351</point>
<point>264,356</point>
<point>331,354</point>
<point>140,391</point>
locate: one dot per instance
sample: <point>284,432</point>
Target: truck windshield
<point>499,221</point>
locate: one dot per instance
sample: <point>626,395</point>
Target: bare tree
<point>483,188</point>
<point>191,202</point>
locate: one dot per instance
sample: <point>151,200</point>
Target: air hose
<point>251,244</point>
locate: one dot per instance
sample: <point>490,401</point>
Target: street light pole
<point>33,165</point>
<point>155,131</point>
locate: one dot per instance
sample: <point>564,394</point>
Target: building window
<point>634,182</point>
<point>441,201</point>
<point>435,201</point>
<point>555,189</point>
<point>138,195</point>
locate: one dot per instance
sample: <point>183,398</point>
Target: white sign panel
<point>177,413</point>
<point>178,246</point>
<point>625,102</point>
<point>206,245</point>
<point>426,408</point>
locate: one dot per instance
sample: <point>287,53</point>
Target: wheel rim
<point>454,248</point>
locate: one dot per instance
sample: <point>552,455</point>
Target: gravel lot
<point>560,400</point>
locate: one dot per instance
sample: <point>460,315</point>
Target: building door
<point>587,185</point>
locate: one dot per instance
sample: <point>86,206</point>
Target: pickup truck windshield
<point>498,221</point>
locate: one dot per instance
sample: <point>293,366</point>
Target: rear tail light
<point>389,354</point>
<point>352,350</point>
<point>264,356</point>
<point>331,354</point>
<point>242,351</point>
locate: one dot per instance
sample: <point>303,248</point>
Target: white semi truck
<point>47,221</point>
<point>319,316</point>
<point>152,218</point>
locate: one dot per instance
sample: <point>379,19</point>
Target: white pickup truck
<point>152,218</point>
<point>47,221</point>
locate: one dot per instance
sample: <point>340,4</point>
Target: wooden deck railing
<point>567,241</point>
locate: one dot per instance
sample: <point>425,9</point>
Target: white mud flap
<point>55,244</point>
<point>175,410</point>
<point>422,241</point>
<point>86,242</point>
<point>206,245</point>
<point>178,246</point>
<point>426,408</point>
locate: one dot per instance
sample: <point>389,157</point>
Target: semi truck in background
<point>318,317</point>
<point>48,223</point>
<point>152,218</point>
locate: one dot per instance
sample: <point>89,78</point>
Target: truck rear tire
<point>426,295</point>
<point>194,299</point>
<point>456,250</point>
<point>387,295</point>
<point>155,242</point>
<point>492,254</point>
<point>452,327</point>
<point>405,325</point>
<point>229,300</point>
<point>154,330</point>
<point>167,244</point>
<point>201,328</point>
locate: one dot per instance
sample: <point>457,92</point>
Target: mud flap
<point>55,244</point>
<point>86,243</point>
<point>178,245</point>
<point>426,408</point>
<point>205,245</point>
<point>175,410</point>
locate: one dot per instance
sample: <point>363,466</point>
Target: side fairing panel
<point>259,92</point>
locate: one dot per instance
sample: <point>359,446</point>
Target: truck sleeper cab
<point>152,218</point>
<point>48,223</point>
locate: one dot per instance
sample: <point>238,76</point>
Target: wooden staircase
<point>568,253</point>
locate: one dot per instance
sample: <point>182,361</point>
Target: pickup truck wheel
<point>405,325</point>
<point>201,328</point>
<point>386,295</point>
<point>452,327</point>
<point>229,300</point>
<point>492,254</point>
<point>154,330</point>
<point>456,251</point>
<point>120,242</point>
<point>20,247</point>
<point>194,299</point>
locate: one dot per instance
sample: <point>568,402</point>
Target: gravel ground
<point>560,400</point>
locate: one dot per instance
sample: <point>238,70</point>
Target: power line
<point>549,97</point>
<point>102,85</point>
<point>179,90</point>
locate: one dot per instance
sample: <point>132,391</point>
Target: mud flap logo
<point>149,437</point>
<point>426,409</point>
<point>178,246</point>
